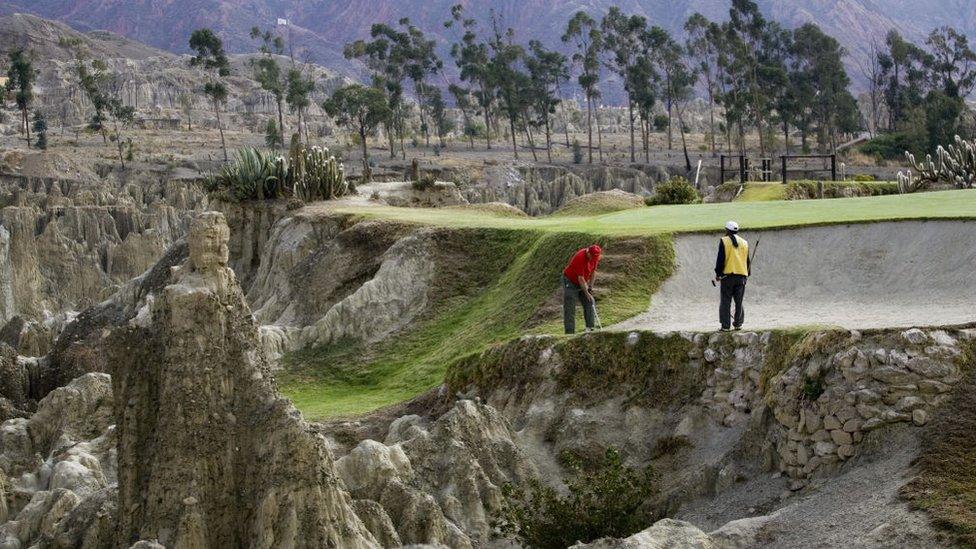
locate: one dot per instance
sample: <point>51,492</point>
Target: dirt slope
<point>893,274</point>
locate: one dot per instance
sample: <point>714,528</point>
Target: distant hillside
<point>51,40</point>
<point>321,27</point>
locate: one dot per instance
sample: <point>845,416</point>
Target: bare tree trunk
<point>528,134</point>
<point>220,128</point>
<point>367,172</point>
<point>670,125</point>
<point>281,125</point>
<point>684,144</point>
<point>548,140</point>
<point>27,126</point>
<point>599,134</point>
<point>630,115</point>
<point>711,117</point>
<point>589,127</point>
<point>511,125</point>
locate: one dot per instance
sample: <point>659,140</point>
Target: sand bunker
<point>872,275</point>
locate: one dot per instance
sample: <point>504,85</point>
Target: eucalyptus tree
<point>703,44</point>
<point>465,103</point>
<point>621,38</point>
<point>210,56</point>
<point>678,81</point>
<point>905,76</point>
<point>20,81</point>
<point>952,61</point>
<point>361,109</point>
<point>546,69</point>
<point>387,73</point>
<point>472,56</point>
<point>268,72</point>
<point>298,89</point>
<point>512,84</point>
<point>103,91</point>
<point>583,31</point>
<point>421,62</point>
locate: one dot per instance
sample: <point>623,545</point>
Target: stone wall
<point>796,403</point>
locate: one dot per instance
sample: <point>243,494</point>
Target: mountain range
<point>318,29</point>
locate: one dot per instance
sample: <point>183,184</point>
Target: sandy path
<point>872,275</point>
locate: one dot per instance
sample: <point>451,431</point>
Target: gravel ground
<point>872,275</point>
<point>857,508</point>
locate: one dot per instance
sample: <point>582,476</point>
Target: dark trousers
<point>733,288</point>
<point>571,294</point>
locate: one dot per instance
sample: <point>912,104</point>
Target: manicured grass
<point>483,300</point>
<point>346,379</point>
<point>957,204</point>
<point>762,192</point>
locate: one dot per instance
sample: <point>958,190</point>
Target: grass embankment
<point>946,484</point>
<point>518,272</point>
<point>957,204</point>
<point>505,268</point>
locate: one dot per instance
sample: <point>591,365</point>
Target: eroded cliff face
<point>209,455</point>
<point>188,444</point>
<point>541,190</point>
<point>66,244</point>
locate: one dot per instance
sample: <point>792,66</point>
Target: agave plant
<point>308,173</point>
<point>955,165</point>
<point>252,176</point>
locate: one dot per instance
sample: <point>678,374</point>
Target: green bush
<point>425,182</point>
<point>864,177</point>
<point>577,152</point>
<point>892,146</point>
<point>610,500</point>
<point>676,190</point>
<point>805,190</point>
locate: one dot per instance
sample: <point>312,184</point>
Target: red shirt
<point>580,266</point>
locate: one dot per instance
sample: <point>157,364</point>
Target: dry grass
<point>946,484</point>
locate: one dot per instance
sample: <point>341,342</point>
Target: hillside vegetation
<point>520,274</point>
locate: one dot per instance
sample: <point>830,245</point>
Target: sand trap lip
<point>872,275</point>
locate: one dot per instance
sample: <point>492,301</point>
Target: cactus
<point>955,165</point>
<point>908,183</point>
<point>309,173</point>
<point>315,174</point>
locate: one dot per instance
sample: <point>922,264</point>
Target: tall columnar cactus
<point>316,174</point>
<point>955,165</point>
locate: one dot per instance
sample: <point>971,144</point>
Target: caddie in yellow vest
<point>732,269</point>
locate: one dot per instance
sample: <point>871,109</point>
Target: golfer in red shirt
<point>577,281</point>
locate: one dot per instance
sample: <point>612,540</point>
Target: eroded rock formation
<point>209,455</point>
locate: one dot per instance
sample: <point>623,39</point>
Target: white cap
<point>732,226</point>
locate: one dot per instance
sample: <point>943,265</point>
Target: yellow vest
<point>736,257</point>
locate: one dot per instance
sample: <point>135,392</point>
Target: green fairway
<point>346,378</point>
<point>957,204</point>
<point>762,192</point>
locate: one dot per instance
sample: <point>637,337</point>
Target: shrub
<point>425,182</point>
<point>577,152</point>
<point>40,129</point>
<point>676,190</point>
<point>609,500</point>
<point>271,134</point>
<point>892,146</point>
<point>864,177</point>
<point>661,122</point>
<point>803,190</point>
